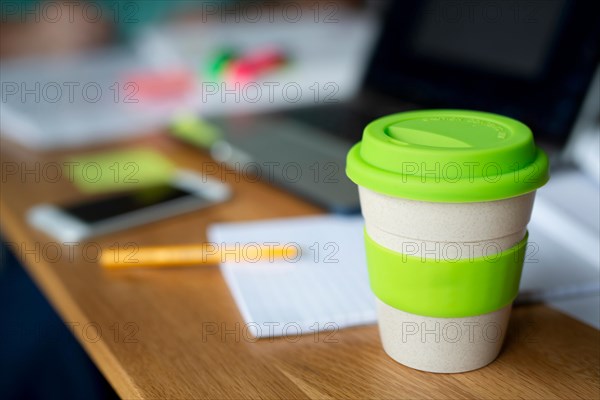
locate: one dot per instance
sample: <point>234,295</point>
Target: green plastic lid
<point>448,156</point>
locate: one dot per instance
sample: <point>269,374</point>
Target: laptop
<point>532,61</point>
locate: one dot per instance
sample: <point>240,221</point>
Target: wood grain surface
<point>177,333</point>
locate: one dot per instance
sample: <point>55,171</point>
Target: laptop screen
<point>531,60</point>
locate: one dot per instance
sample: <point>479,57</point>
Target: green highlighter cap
<point>192,129</point>
<point>448,156</point>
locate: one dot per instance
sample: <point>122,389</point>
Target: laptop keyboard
<point>339,120</point>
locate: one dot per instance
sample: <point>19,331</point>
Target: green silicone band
<point>445,289</point>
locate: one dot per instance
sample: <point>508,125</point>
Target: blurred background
<point>247,81</point>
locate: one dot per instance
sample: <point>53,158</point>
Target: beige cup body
<point>445,231</point>
<point>444,345</point>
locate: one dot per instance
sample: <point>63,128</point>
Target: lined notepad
<point>326,288</point>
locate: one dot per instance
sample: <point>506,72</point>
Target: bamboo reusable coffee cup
<point>446,196</point>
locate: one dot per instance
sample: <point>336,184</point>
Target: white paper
<point>326,289</point>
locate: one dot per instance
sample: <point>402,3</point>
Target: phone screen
<point>114,206</point>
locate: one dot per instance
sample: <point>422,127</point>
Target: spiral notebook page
<point>327,288</point>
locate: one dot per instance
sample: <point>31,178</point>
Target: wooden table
<point>178,334</point>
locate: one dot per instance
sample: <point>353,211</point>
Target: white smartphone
<point>187,191</point>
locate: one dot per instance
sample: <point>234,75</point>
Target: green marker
<point>215,69</point>
<point>194,130</point>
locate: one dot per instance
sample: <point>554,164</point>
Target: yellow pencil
<point>204,254</point>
